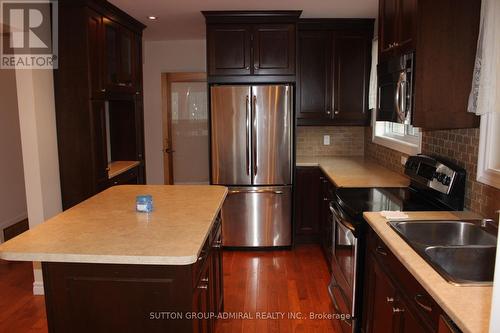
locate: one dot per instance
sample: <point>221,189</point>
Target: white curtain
<point>372,92</point>
<point>485,94</point>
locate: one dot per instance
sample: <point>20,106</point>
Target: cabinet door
<point>274,49</point>
<point>315,75</point>
<point>119,57</point>
<point>127,58</point>
<point>408,322</point>
<point>95,47</point>
<point>99,144</point>
<point>307,204</point>
<point>407,18</point>
<point>217,274</point>
<point>228,49</point>
<point>387,25</point>
<point>111,53</point>
<point>326,227</point>
<point>201,302</point>
<point>379,300</point>
<point>350,78</point>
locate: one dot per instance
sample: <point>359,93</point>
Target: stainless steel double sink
<point>463,252</point>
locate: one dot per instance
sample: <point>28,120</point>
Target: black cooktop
<point>355,201</point>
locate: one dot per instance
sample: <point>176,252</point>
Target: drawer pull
<point>217,244</point>
<point>203,286</point>
<point>397,310</point>
<point>204,279</point>
<point>390,299</point>
<point>380,250</point>
<point>417,300</point>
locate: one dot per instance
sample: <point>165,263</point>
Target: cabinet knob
<point>103,90</point>
<point>336,112</point>
<point>247,68</point>
<point>137,92</point>
<point>256,67</point>
<point>328,112</point>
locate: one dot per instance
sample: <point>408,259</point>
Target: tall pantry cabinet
<point>99,99</point>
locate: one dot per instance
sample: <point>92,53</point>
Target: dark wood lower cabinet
<point>307,205</point>
<point>123,298</point>
<point>394,301</point>
<point>313,223</point>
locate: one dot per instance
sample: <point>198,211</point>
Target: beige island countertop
<point>354,171</point>
<point>469,307</point>
<point>107,229</point>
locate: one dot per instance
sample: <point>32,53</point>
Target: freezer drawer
<point>257,216</point>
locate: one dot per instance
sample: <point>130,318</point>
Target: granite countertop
<point>107,229</point>
<point>468,307</point>
<point>355,171</point>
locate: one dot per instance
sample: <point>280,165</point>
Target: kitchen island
<point>108,268</point>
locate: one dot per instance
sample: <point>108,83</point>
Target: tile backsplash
<point>344,140</point>
<point>461,147</point>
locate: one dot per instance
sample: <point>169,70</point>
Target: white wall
<point>37,120</point>
<point>162,57</point>
<point>12,194</point>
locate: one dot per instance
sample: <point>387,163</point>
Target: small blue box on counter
<point>144,203</point>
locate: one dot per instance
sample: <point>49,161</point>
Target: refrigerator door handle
<point>255,191</point>
<point>254,134</point>
<point>247,106</point>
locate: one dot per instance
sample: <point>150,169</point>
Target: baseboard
<point>38,288</point>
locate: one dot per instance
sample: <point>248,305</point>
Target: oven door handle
<point>342,221</point>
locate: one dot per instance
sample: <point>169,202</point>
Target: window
<point>488,168</point>
<point>404,138</point>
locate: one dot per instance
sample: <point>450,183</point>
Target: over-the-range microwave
<point>395,88</point>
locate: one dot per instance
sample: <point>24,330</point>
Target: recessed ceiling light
<point>152,17</point>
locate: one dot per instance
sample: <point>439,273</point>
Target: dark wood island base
<point>84,297</point>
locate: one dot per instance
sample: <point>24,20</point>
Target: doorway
<point>185,128</point>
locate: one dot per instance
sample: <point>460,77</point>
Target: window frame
<point>403,146</point>
<point>487,129</point>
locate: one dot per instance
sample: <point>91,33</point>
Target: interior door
<point>271,135</point>
<point>231,144</point>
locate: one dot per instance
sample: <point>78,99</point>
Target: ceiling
<point>181,19</point>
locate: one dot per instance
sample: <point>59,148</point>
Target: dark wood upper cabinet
<point>314,73</point>
<point>350,78</point>
<point>388,19</point>
<point>229,48</point>
<point>274,49</point>
<point>334,66</point>
<point>397,26</point>
<point>119,57</point>
<point>444,55</point>
<point>250,44</point>
<point>98,95</point>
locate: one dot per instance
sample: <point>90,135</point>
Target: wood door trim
<point>166,87</point>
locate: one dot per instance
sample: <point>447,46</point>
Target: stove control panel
<point>433,173</point>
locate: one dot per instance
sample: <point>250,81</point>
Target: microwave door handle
<point>404,84</point>
<point>397,99</point>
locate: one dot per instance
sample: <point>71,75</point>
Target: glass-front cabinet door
<point>119,57</point>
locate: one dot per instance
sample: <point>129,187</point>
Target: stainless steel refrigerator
<point>251,138</point>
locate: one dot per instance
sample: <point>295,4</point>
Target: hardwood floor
<point>277,282</point>
<point>20,311</point>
